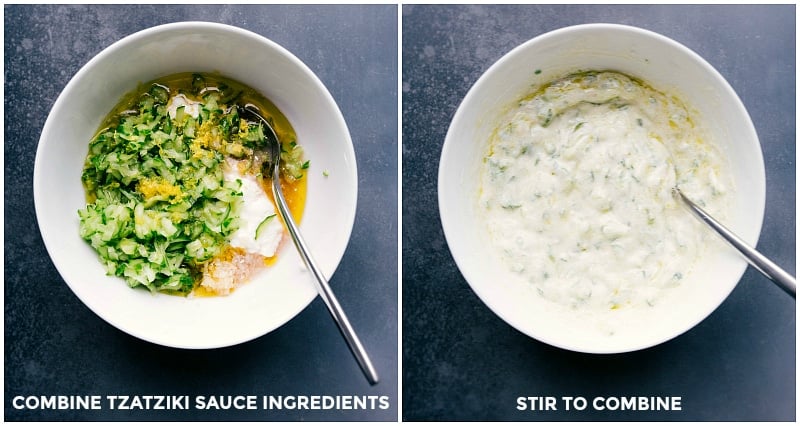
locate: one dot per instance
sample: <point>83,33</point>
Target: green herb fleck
<point>545,121</point>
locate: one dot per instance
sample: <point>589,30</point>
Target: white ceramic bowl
<point>666,65</point>
<point>273,297</point>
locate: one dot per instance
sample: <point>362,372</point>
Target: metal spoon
<point>271,166</point>
<point>753,257</point>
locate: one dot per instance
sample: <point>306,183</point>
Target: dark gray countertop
<point>461,362</point>
<point>55,346</point>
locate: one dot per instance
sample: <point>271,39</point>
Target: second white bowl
<point>669,67</point>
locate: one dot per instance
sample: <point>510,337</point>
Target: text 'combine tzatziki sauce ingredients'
<point>577,185</point>
<point>177,199</point>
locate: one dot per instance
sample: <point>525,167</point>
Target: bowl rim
<point>446,214</point>
<point>350,173</point>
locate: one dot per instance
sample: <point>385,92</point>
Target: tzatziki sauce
<point>576,191</point>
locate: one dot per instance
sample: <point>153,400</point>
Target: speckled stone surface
<point>55,346</point>
<point>461,362</point>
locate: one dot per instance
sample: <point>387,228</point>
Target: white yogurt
<point>256,208</point>
<point>577,191</point>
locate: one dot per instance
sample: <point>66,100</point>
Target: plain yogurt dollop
<point>260,231</point>
<point>576,191</point>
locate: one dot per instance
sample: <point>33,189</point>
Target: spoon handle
<point>324,288</point>
<point>753,257</point>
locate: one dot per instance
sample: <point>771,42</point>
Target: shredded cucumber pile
<point>160,206</point>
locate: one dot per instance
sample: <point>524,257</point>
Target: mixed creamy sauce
<point>576,191</point>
